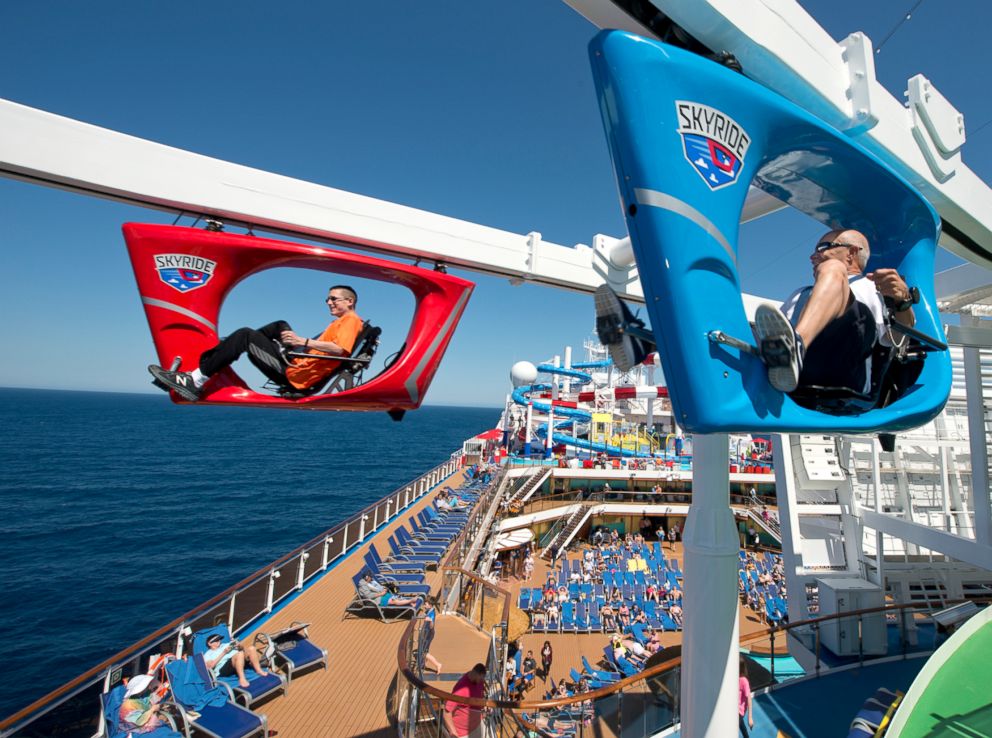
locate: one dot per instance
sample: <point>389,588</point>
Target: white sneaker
<point>780,347</point>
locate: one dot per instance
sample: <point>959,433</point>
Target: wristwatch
<point>913,299</point>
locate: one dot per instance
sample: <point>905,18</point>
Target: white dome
<point>523,372</point>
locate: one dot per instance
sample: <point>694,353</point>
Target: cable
<point>897,26</point>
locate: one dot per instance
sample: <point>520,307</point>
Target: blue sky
<point>479,111</point>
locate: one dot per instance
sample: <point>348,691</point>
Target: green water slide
<point>952,695</point>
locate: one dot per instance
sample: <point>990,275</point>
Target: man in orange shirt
<point>265,348</point>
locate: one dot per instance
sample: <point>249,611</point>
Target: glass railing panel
<point>214,616</point>
<point>312,560</point>
<point>354,528</point>
<point>336,546</point>
<point>287,580</point>
<point>251,602</point>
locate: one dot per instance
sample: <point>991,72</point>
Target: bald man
<point>824,333</point>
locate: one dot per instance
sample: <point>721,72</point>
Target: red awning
<point>490,435</point>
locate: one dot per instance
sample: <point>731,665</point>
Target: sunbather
<point>140,708</point>
<point>370,589</point>
<point>227,659</point>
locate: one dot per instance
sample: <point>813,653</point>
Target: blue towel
<point>190,686</point>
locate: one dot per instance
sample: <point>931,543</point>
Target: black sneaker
<point>179,382</point>
<point>612,319</point>
<point>780,347</point>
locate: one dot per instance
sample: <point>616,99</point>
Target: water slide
<point>570,414</point>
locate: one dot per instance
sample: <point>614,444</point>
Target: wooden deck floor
<point>351,698</point>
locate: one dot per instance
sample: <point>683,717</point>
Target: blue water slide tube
<point>563,372</point>
<point>568,415</point>
<point>601,364</point>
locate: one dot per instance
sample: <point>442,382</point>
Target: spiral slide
<point>571,414</point>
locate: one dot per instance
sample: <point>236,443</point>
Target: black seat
<point>347,373</point>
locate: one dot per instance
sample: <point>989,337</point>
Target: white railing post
<point>230,613</point>
<point>361,528</point>
<point>273,575</point>
<point>375,518</point>
<point>302,573</point>
<point>387,509</point>
<point>326,559</point>
<point>406,497</point>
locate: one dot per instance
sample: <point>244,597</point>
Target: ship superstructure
<point>913,523</point>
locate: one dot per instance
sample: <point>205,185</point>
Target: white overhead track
<point>48,149</point>
<point>782,47</point>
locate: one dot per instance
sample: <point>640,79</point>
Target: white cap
<point>137,685</point>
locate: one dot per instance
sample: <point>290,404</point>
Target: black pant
<point>260,345</point>
<point>742,725</point>
<point>837,357</point>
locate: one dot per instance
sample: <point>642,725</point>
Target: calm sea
<point>120,512</point>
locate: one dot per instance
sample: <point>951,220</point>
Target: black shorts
<point>227,669</point>
<point>838,356</point>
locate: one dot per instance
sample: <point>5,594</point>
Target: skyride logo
<point>714,143</point>
<point>183,272</point>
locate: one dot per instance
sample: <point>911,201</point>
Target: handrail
<point>175,625</point>
<point>640,676</point>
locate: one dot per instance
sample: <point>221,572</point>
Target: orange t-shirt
<point>305,373</point>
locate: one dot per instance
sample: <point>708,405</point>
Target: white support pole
<point>554,379</point>
<point>710,650</point>
<point>527,427</point>
<point>651,399</point>
<point>977,440</point>
<point>548,443</point>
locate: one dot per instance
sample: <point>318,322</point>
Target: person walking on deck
<point>461,720</point>
<point>547,656</point>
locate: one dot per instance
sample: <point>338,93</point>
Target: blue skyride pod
<point>687,138</point>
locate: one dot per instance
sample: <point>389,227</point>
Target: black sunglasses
<point>827,245</point>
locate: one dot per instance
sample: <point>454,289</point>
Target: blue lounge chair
<point>387,613</point>
<point>651,610</point>
<point>427,535</point>
<point>398,554</point>
<point>873,712</point>
<point>608,579</point>
<point>626,668</point>
<point>610,661</point>
<point>292,649</point>
<point>595,621</point>
<point>384,577</point>
<point>637,630</point>
<point>437,525</point>
<point>395,566</point>
<point>407,543</point>
<point>667,622</point>
<point>673,565</point>
<point>110,703</point>
<point>523,601</point>
<point>258,686</point>
<point>603,676</point>
<point>567,618</point>
<point>582,617</point>
<point>205,706</point>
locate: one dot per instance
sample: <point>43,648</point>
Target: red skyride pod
<point>185,274</point>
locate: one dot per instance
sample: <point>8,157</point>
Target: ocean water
<point>120,512</point>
